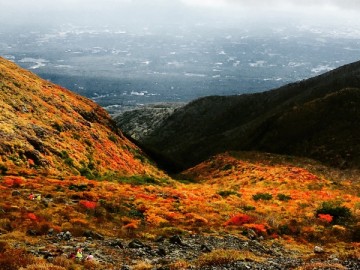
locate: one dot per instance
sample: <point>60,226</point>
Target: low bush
<point>262,196</point>
<point>227,193</point>
<point>340,214</point>
<point>13,259</point>
<point>222,257</point>
<point>283,197</point>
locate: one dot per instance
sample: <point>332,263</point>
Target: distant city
<point>125,68</point>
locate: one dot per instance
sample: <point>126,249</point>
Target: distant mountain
<point>48,130</point>
<point>317,118</point>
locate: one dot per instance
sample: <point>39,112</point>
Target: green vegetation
<point>248,208</point>
<point>341,214</point>
<point>283,197</point>
<point>67,159</point>
<point>139,180</point>
<point>262,196</point>
<point>227,193</point>
<point>3,169</point>
<point>113,138</point>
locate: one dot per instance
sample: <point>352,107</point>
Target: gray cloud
<point>353,4</point>
<point>342,4</point>
<point>119,11</point>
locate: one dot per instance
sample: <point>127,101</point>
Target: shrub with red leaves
<point>88,204</point>
<point>32,216</point>
<point>239,220</point>
<point>325,218</point>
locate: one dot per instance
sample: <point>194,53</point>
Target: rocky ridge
<point>140,122</point>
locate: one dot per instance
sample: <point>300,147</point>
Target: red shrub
<point>239,220</point>
<point>88,204</point>
<point>258,228</point>
<point>325,218</point>
<point>32,216</point>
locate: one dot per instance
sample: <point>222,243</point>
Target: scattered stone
<point>98,236</point>
<point>116,243</point>
<point>318,249</point>
<point>50,232</point>
<point>176,239</point>
<point>136,244</point>
<point>160,239</point>
<point>67,235</point>
<point>251,234</point>
<point>161,252</point>
<point>206,249</point>
<point>64,235</point>
<point>93,235</point>
<point>15,193</point>
<point>32,232</point>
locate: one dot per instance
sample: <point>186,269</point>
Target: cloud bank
<point>169,11</point>
<point>341,4</point>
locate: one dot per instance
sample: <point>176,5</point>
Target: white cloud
<point>109,11</point>
<point>343,4</point>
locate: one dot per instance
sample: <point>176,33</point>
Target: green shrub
<point>248,208</point>
<point>262,196</point>
<point>57,126</point>
<point>139,180</point>
<point>227,167</point>
<point>67,159</point>
<point>341,214</point>
<point>283,197</point>
<point>3,169</point>
<point>112,138</point>
<point>227,193</point>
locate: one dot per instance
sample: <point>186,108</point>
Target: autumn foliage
<point>239,219</point>
<point>51,131</point>
<point>91,178</point>
<point>88,204</point>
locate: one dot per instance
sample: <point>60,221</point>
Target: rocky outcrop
<point>141,122</point>
<point>191,248</point>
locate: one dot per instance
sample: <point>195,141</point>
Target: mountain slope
<point>49,130</point>
<point>316,118</point>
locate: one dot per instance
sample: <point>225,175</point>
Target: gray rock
<point>141,122</point>
<point>161,252</point>
<point>136,244</point>
<point>67,235</point>
<point>206,249</point>
<point>176,239</point>
<point>15,193</point>
<point>116,243</point>
<point>318,249</point>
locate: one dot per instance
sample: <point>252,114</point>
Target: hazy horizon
<point>215,12</point>
<point>131,52</point>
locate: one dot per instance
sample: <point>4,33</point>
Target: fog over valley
<point>123,54</point>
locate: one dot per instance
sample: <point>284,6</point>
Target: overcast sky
<point>44,11</point>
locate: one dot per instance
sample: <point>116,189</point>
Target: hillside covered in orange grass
<point>70,179</point>
<point>46,129</point>
<point>249,197</point>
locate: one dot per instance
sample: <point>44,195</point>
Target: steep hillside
<point>317,118</point>
<point>46,129</point>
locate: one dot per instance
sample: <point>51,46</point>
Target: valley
<point>70,179</point>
